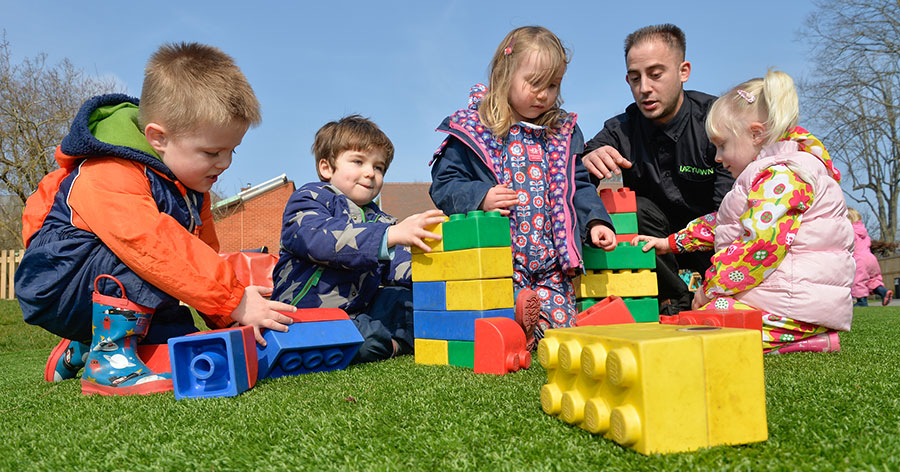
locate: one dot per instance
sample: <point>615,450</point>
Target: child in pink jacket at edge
<point>782,240</point>
<point>868,272</point>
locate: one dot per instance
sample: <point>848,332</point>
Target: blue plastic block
<point>429,295</point>
<point>308,347</point>
<point>452,325</point>
<point>212,364</point>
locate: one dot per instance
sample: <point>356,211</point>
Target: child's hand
<point>411,231</point>
<point>603,236</point>
<point>660,244</point>
<point>699,300</point>
<point>257,311</point>
<point>499,198</point>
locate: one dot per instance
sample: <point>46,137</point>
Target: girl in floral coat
<point>782,238</point>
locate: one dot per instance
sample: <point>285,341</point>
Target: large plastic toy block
<point>624,222</point>
<point>429,295</point>
<point>453,325</point>
<point>431,351</point>
<point>625,283</point>
<point>500,347</point>
<point>625,238</point>
<point>310,315</point>
<point>643,310</point>
<point>621,200</point>
<point>481,294</point>
<point>624,256</point>
<point>467,264</point>
<point>436,245</point>
<point>461,353</point>
<point>155,356</point>
<point>218,363</point>
<point>610,310</point>
<point>657,388</point>
<point>747,319</point>
<point>308,347</point>
<point>476,229</point>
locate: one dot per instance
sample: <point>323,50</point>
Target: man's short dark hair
<point>667,33</point>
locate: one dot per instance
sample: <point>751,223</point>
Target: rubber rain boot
<point>66,359</point>
<point>113,366</point>
<point>528,312</point>
<point>824,342</point>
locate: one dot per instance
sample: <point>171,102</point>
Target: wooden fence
<point>9,261</point>
<point>890,272</point>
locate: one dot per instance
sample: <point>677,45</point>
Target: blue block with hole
<point>429,295</point>
<point>219,363</point>
<point>308,347</point>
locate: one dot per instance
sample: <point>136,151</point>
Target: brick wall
<point>254,223</point>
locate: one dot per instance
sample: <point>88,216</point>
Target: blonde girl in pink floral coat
<point>782,238</point>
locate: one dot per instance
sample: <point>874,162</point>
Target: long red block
<point>611,310</point>
<point>747,319</point>
<point>309,315</point>
<point>621,200</point>
<point>625,238</point>
<point>499,346</point>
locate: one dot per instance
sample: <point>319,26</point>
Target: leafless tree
<point>853,99</point>
<point>37,104</point>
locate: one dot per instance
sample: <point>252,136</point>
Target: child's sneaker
<point>528,312</point>
<point>887,298</point>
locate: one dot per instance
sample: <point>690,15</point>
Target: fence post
<point>9,261</point>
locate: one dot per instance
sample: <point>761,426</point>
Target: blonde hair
<point>350,133</point>
<point>771,99</point>
<point>189,84</point>
<point>495,110</point>
<point>853,215</point>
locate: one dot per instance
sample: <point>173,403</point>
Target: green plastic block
<point>643,310</point>
<point>461,353</point>
<point>476,229</point>
<point>625,223</point>
<point>624,256</point>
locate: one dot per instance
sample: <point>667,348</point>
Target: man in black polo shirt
<point>660,148</point>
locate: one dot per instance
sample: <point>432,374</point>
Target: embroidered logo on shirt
<point>694,170</point>
<point>535,153</point>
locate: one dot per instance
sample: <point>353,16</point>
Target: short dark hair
<point>351,133</point>
<point>667,33</point>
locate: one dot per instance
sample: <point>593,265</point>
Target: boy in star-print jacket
<point>339,250</point>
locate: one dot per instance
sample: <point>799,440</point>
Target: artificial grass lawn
<point>825,412</point>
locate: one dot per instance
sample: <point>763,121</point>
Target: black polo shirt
<point>673,164</point>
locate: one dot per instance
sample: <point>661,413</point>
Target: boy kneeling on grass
<point>339,250</point>
<point>131,200</point>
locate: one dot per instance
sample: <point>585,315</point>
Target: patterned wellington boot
<point>823,342</point>
<point>66,359</point>
<point>528,312</point>
<point>113,366</point>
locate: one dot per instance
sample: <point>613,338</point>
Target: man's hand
<point>604,162</point>
<point>411,231</point>
<point>499,197</point>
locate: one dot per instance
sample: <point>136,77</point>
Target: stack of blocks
<point>467,276</point>
<point>657,388</point>
<point>626,271</point>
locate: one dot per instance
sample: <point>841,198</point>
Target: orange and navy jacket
<point>132,202</point>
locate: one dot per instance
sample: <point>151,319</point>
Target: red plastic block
<point>625,238</point>
<point>308,315</point>
<point>747,319</point>
<point>499,346</point>
<point>621,200</point>
<point>611,310</point>
<point>156,356</point>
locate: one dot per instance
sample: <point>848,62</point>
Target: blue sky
<point>406,65</point>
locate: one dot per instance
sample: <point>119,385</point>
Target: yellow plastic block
<point>657,388</point>
<point>436,245</point>
<point>484,294</point>
<point>467,264</point>
<point>622,283</point>
<point>431,351</point>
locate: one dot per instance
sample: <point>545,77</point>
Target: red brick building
<point>403,199</point>
<point>252,218</point>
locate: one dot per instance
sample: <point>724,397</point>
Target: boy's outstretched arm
<point>257,311</point>
<point>411,231</point>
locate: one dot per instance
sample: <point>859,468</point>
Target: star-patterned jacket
<point>332,246</point>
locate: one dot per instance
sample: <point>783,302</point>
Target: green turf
<point>835,411</point>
